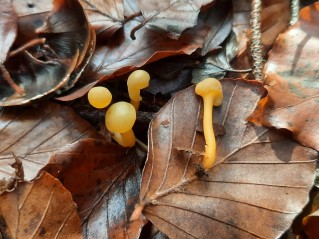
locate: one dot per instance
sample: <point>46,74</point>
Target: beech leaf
<point>292,81</point>
<point>259,176</point>
<point>106,17</point>
<point>104,181</point>
<point>41,209</point>
<point>171,16</point>
<point>34,134</point>
<point>123,54</point>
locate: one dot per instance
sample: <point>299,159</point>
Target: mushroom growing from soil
<point>136,81</point>
<point>211,91</point>
<point>119,120</point>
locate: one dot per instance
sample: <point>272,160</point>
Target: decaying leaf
<point>63,42</point>
<point>310,222</point>
<point>106,17</point>
<point>122,54</point>
<point>292,81</point>
<point>41,209</point>
<point>171,16</point>
<point>217,63</point>
<point>104,181</point>
<point>258,185</point>
<point>219,18</point>
<point>8,28</point>
<point>34,134</point>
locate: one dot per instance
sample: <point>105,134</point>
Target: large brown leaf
<point>8,28</point>
<point>292,81</point>
<point>171,16</point>
<point>34,134</point>
<point>41,209</point>
<point>104,181</point>
<point>122,54</point>
<point>258,185</point>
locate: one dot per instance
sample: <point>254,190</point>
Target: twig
<point>256,48</point>
<point>8,79</point>
<point>29,44</point>
<point>295,7</point>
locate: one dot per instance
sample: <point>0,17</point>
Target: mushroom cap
<point>99,97</point>
<point>120,117</point>
<point>136,81</point>
<point>210,87</point>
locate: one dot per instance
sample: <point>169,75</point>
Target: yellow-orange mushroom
<point>119,120</point>
<point>211,91</point>
<point>136,81</point>
<point>99,97</point>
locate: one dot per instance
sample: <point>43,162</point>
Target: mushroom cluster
<point>121,116</point>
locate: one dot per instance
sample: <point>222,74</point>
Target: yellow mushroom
<point>99,97</point>
<point>211,91</point>
<point>119,120</point>
<point>136,81</point>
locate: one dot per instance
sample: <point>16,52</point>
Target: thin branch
<point>256,47</point>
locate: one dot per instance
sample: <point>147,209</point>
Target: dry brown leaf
<point>122,54</point>
<point>292,81</point>
<point>41,209</point>
<point>258,185</point>
<point>34,134</point>
<point>8,28</point>
<point>104,181</point>
<point>106,17</point>
<point>171,16</point>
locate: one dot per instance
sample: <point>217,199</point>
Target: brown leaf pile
<point>63,177</point>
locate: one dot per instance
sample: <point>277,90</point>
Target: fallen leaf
<point>259,176</point>
<point>33,134</point>
<point>291,81</point>
<point>106,186</point>
<point>217,63</point>
<point>310,223</point>
<point>41,209</point>
<point>8,28</point>
<point>219,18</point>
<point>44,68</point>
<point>171,16</point>
<point>275,17</point>
<point>122,54</point>
<point>106,17</point>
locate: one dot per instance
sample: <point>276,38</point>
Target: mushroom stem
<point>136,104</point>
<point>210,147</point>
<point>211,91</point>
<point>126,139</point>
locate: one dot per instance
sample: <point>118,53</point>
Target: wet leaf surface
<point>291,80</point>
<point>259,174</point>
<point>106,186</point>
<point>41,209</point>
<point>33,134</point>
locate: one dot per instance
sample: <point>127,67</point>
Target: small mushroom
<point>136,81</point>
<point>99,97</point>
<point>211,91</point>
<point>119,120</point>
